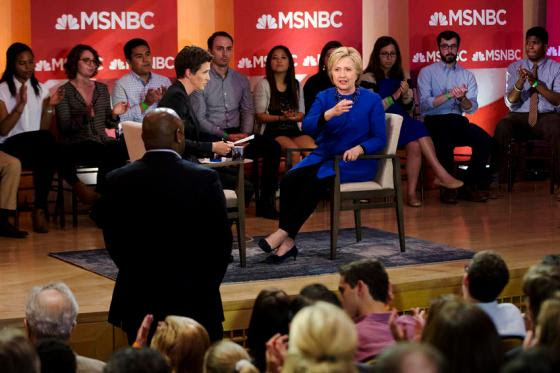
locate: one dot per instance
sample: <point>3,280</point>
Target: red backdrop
<point>106,25</point>
<point>491,38</point>
<point>303,26</point>
<point>553,27</point>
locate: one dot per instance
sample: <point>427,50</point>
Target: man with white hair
<point>50,312</point>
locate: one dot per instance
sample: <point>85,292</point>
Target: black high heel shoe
<point>279,259</point>
<point>264,246</point>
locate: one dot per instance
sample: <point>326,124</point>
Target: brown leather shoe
<point>85,194</point>
<point>39,219</point>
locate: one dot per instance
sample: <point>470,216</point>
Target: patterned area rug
<point>313,258</point>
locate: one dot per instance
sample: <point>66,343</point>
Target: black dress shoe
<point>8,230</point>
<point>279,259</point>
<point>264,246</point>
<point>471,194</point>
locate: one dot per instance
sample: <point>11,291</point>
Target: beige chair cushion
<point>359,187</point>
<point>231,198</point>
<point>133,138</point>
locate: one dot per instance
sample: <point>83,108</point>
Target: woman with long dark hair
<point>84,114</point>
<point>384,75</point>
<point>320,81</point>
<point>279,102</point>
<point>26,111</point>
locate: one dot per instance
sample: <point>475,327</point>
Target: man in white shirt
<point>485,278</point>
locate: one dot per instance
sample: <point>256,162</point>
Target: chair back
<point>384,175</point>
<point>133,138</point>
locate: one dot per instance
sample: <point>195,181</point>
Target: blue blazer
<point>363,125</point>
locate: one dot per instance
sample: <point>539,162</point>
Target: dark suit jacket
<point>176,98</point>
<point>165,226</point>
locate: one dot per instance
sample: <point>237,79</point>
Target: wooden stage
<point>523,227</point>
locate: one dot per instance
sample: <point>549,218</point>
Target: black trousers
<point>451,130</point>
<point>106,156</point>
<point>516,126</point>
<point>36,150</point>
<point>300,192</point>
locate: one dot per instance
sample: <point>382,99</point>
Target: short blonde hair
<point>323,338</point>
<point>183,342</point>
<point>228,357</point>
<point>340,53</point>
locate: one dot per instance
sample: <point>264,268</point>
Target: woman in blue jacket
<point>344,120</point>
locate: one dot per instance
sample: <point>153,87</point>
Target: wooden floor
<point>522,227</point>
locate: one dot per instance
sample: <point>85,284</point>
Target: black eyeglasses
<point>388,54</point>
<point>445,47</point>
<point>89,61</point>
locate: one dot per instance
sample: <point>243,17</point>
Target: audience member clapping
<point>228,357</point>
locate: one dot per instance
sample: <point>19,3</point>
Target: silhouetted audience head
<point>534,360</point>
<point>50,312</point>
<point>486,276</point>
<point>409,357</point>
<point>163,129</point>
<point>322,339</point>
<point>540,283</point>
<point>315,292</point>
<point>56,356</point>
<point>183,342</point>
<point>17,354</point>
<point>133,360</point>
<point>552,259</point>
<point>466,336</point>
<point>228,357</point>
<point>271,315</point>
<point>548,324</point>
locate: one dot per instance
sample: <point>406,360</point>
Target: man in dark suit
<point>165,226</point>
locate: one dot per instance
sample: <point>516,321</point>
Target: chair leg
<point>240,224</point>
<point>358,224</point>
<point>335,217</point>
<point>400,222</point>
<point>553,165</point>
<point>509,168</point>
<point>74,210</point>
<point>60,202</point>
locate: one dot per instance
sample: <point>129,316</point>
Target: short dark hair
<point>71,64</point>
<point>488,275</point>
<point>190,58</point>
<point>133,360</point>
<point>372,273</point>
<point>534,360</point>
<point>448,35</point>
<point>56,356</point>
<point>316,292</point>
<point>17,353</point>
<point>538,32</point>
<point>540,283</point>
<point>215,35</point>
<point>131,44</point>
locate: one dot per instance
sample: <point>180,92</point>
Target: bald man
<point>165,226</point>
